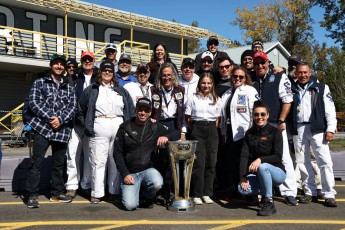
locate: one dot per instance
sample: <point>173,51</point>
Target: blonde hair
<point>213,93</point>
<point>174,77</point>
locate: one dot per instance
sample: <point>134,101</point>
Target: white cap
<point>207,54</point>
<point>110,46</point>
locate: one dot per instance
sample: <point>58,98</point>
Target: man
<point>71,67</point>
<point>275,91</point>
<point>257,45</point>
<point>247,60</point>
<point>123,73</point>
<point>79,143</point>
<point>293,61</point>
<point>225,66</point>
<point>142,88</point>
<point>206,63</point>
<point>110,54</point>
<point>135,142</point>
<point>53,103</point>
<point>188,79</point>
<point>212,46</point>
<point>314,126</point>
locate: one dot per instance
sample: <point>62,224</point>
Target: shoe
<point>261,203</point>
<point>207,200</point>
<point>160,200</point>
<point>319,194</point>
<point>148,204</point>
<point>300,192</point>
<point>60,198</point>
<point>330,202</point>
<point>71,193</point>
<point>33,202</point>
<point>290,200</point>
<point>307,199</point>
<point>197,201</point>
<point>95,200</point>
<point>268,208</point>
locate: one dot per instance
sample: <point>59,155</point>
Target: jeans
<point>40,147</point>
<point>261,183</point>
<point>149,180</point>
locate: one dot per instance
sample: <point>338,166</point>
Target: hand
<point>183,137</point>
<point>329,136</point>
<point>282,127</point>
<point>55,123</point>
<point>129,180</point>
<point>244,183</point>
<point>162,141</point>
<point>253,167</point>
<point>153,120</point>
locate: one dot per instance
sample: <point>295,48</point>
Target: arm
<point>330,114</point>
<point>285,96</point>
<point>118,154</point>
<point>69,113</point>
<point>38,101</point>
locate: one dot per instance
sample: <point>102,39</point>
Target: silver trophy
<point>181,159</point>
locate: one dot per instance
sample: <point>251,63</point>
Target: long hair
<point>113,79</point>
<point>154,61</point>
<point>213,93</point>
<point>248,80</point>
<point>174,77</point>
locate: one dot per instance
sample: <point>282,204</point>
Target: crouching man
<point>135,142</point>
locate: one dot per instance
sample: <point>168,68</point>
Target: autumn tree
<point>194,44</point>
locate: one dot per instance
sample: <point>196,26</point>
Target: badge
<point>241,109</point>
<point>156,105</point>
<point>241,99</point>
<point>155,97</point>
<point>178,96</point>
<point>272,77</point>
<point>329,97</point>
<point>299,109</point>
<point>264,138</point>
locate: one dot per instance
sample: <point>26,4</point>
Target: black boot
<point>268,207</point>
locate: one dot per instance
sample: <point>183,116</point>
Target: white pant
<point>303,141</point>
<point>77,144</point>
<point>101,154</point>
<point>289,187</point>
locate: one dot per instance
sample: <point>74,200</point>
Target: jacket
<point>87,107</point>
<point>265,143</point>
<point>133,154</point>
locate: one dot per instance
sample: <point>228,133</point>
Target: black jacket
<point>265,143</point>
<point>133,154</point>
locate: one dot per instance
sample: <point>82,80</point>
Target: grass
<point>337,144</point>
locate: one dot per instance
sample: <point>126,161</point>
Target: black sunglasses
<point>213,43</point>
<point>208,61</point>
<point>90,59</point>
<point>224,67</point>
<point>71,67</point>
<point>260,114</point>
<point>260,63</point>
<point>238,76</point>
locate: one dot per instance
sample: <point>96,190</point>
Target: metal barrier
<point>11,126</point>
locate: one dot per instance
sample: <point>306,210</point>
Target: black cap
<point>107,65</point>
<point>58,56</point>
<point>72,61</point>
<point>188,60</point>
<point>125,57</point>
<point>144,102</point>
<point>295,58</point>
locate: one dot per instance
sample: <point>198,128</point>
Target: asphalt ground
<point>223,214</point>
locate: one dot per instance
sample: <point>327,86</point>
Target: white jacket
<point>190,87</point>
<point>241,109</point>
<point>134,90</point>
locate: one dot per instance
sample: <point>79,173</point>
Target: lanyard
<point>299,96</point>
<point>165,99</point>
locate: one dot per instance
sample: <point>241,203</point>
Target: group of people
<point>243,117</point>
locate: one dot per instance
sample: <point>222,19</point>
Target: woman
<point>168,109</point>
<point>103,106</point>
<point>261,164</point>
<point>237,106</point>
<point>202,116</point>
<point>160,55</point>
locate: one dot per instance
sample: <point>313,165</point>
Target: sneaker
<point>207,200</point>
<point>95,200</point>
<point>290,200</point>
<point>330,202</point>
<point>160,200</point>
<point>71,193</point>
<point>147,204</point>
<point>60,198</point>
<point>197,201</point>
<point>307,199</point>
<point>33,202</point>
<point>268,208</point>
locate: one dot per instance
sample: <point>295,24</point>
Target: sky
<point>215,16</point>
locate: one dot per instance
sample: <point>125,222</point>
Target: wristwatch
<point>281,122</point>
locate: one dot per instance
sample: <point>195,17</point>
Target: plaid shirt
<point>48,99</point>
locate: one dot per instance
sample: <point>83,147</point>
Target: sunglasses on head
<point>208,61</point>
<point>224,67</point>
<point>260,63</point>
<point>241,77</point>
<point>71,67</point>
<point>260,114</point>
<point>90,59</point>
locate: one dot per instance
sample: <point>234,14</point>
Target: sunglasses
<point>238,76</point>
<point>71,67</point>
<point>90,59</point>
<point>208,61</point>
<point>213,43</point>
<point>142,72</point>
<point>107,70</point>
<point>224,67</point>
<point>260,114</point>
<point>260,63</point>
<point>247,59</point>
<point>166,75</point>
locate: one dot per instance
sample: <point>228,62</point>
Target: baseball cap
<point>125,57</point>
<point>213,39</point>
<point>87,54</point>
<point>144,102</point>
<point>260,55</point>
<point>143,66</point>
<point>56,57</point>
<point>111,46</point>
<point>72,61</point>
<point>107,65</point>
<point>207,54</point>
<point>258,42</point>
<point>295,58</point>
<point>188,60</point>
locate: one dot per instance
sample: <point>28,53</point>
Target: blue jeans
<point>261,183</point>
<point>149,180</point>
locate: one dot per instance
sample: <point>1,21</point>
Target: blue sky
<point>212,15</point>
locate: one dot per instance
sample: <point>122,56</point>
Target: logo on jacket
<point>329,96</point>
<point>271,79</point>
<point>241,99</point>
<point>155,97</point>
<point>178,96</point>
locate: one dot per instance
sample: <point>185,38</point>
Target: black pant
<point>206,158</point>
<point>40,147</point>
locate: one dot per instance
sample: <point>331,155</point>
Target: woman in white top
<point>237,106</point>
<point>202,116</point>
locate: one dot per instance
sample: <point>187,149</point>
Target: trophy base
<point>181,206</point>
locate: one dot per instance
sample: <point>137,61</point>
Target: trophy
<point>181,159</point>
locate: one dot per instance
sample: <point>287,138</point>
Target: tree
<point>194,44</point>
<point>334,19</point>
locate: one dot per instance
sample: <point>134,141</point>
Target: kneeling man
<point>135,142</point>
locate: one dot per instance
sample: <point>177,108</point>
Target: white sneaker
<point>207,200</point>
<point>197,201</point>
